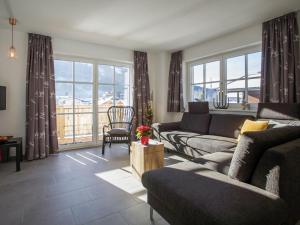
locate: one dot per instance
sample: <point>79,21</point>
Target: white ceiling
<point>141,24</point>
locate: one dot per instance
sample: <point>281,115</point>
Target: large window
<point>236,74</point>
<point>84,92</point>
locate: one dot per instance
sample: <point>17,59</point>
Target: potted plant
<point>143,133</point>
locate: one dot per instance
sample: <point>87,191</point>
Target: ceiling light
<point>12,50</point>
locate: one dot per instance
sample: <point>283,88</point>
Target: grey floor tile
<point>63,217</point>
<point>139,215</point>
<point>114,219</point>
<point>101,207</point>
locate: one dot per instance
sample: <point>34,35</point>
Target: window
<point>206,81</point>
<point>83,95</point>
<point>237,74</point>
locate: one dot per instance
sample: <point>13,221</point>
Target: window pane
<point>122,75</point>
<point>236,67</point>
<point>235,84</point>
<point>236,96</point>
<point>106,74</point>
<point>63,70</point>
<point>83,98</point>
<point>83,127</point>
<point>254,64</point>
<point>253,90</point>
<point>122,95</point>
<point>64,129</point>
<point>105,97</point>
<point>83,72</point>
<point>213,71</point>
<point>102,120</point>
<point>64,97</point>
<point>211,91</point>
<point>197,93</point>
<point>198,74</point>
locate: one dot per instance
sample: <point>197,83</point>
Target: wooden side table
<point>146,157</point>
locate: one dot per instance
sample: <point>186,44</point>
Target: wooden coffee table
<point>146,157</point>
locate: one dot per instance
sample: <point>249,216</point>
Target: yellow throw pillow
<point>250,125</point>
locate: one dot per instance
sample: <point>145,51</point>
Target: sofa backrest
<point>194,122</point>
<point>278,111</point>
<point>198,107</point>
<point>227,125</point>
<point>278,171</point>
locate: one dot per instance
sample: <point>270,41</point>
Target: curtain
<point>175,97</point>
<point>41,134</point>
<point>280,60</point>
<point>141,88</point>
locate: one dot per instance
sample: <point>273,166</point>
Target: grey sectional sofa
<point>255,181</point>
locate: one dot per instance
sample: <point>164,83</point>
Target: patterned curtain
<point>175,97</point>
<point>280,60</point>
<point>141,98</point>
<point>41,135</point>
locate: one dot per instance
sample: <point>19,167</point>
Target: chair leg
<point>103,145</point>
<point>110,142</point>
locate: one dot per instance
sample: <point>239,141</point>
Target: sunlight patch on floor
<point>76,160</point>
<point>123,179</point>
<point>97,156</point>
<point>87,158</point>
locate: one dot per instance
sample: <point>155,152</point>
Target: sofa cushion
<point>197,123</point>
<point>198,107</point>
<point>192,194</point>
<point>278,111</point>
<point>251,147</point>
<point>227,125</point>
<point>218,161</point>
<point>211,143</point>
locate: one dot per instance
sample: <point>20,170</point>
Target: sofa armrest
<point>190,194</point>
<point>161,127</point>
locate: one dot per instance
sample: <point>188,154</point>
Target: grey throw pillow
<point>252,145</point>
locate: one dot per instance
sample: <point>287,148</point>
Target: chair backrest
<point>120,116</point>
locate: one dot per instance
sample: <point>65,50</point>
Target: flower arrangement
<point>143,133</point>
<point>148,115</point>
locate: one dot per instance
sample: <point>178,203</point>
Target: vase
<point>145,140</point>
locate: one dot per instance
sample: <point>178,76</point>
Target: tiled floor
<point>75,187</point>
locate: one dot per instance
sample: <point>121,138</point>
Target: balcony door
<point>84,92</point>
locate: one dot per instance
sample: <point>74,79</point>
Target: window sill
<point>233,110</point>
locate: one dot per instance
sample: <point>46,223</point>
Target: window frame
<point>222,57</point>
<point>95,84</point>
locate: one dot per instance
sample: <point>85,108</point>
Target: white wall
<point>92,51</point>
<point>13,76</point>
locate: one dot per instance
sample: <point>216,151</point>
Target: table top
<point>12,141</point>
<point>151,142</point>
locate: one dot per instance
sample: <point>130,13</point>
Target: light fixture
<point>12,50</point>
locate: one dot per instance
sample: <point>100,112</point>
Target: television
<point>2,98</point>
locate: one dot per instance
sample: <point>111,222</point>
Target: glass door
<point>74,101</point>
<point>83,97</point>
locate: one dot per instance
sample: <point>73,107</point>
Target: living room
<point>211,89</point>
